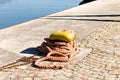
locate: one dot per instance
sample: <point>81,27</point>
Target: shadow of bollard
<point>32,50</point>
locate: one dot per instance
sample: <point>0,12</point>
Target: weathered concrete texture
<point>103,62</point>
<point>105,56</point>
<point>102,46</point>
<point>83,19</point>
<point>7,57</point>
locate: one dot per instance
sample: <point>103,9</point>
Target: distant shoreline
<point>86,1</point>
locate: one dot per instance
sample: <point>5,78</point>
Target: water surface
<point>13,12</point>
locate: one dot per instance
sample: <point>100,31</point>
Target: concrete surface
<point>102,17</point>
<point>101,63</point>
<point>83,19</point>
<point>7,57</point>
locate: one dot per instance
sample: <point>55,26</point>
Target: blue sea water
<point>13,12</point>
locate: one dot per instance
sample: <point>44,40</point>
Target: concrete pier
<point>83,19</point>
<point>95,23</point>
